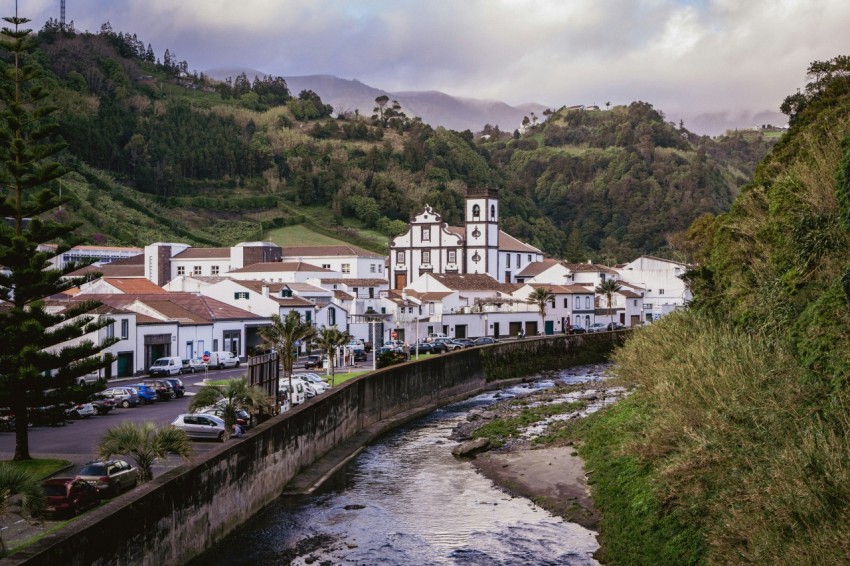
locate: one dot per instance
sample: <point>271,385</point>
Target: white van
<point>434,335</point>
<point>171,365</point>
<point>223,359</point>
<point>295,394</point>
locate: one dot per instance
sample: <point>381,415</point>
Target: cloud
<point>687,57</point>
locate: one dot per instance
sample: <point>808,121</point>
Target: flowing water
<point>407,500</point>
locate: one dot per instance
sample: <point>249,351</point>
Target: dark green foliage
<point>390,358</point>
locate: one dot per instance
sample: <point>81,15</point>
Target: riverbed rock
<point>472,447</point>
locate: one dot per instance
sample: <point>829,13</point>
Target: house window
<point>518,260</point>
<point>110,330</point>
<point>430,309</point>
<point>452,256</point>
<point>426,234</point>
<point>308,316</point>
<point>326,266</point>
<point>529,257</point>
<point>492,212</point>
<point>566,303</point>
<point>371,292</point>
<point>332,316</point>
<point>426,257</point>
<point>587,302</point>
<point>635,302</point>
<point>578,303</point>
<point>508,261</point>
<point>240,295</point>
<point>379,268</point>
<point>399,257</point>
<point>125,329</point>
<point>553,303</point>
<point>196,270</point>
<point>181,270</point>
<point>373,268</point>
<point>661,291</point>
<point>346,268</point>
<point>286,293</point>
<point>214,270</point>
<point>476,211</point>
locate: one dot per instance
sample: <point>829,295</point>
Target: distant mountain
<point>434,107</point>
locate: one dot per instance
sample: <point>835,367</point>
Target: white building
<point>165,261</point>
<point>478,247</point>
<point>348,261</point>
<point>665,290</point>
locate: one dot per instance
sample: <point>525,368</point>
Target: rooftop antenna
<point>62,15</point>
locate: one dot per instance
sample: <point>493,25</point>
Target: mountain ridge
<point>433,106</point>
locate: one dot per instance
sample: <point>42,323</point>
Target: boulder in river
<point>472,447</point>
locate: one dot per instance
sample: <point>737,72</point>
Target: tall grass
<point>733,445</point>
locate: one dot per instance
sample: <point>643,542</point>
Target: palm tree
<point>283,334</point>
<point>15,480</point>
<point>144,443</point>
<point>329,340</point>
<point>237,394</point>
<point>541,297</point>
<point>608,288</point>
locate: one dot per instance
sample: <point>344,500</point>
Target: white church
<point>478,247</point>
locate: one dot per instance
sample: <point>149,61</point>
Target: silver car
<point>123,396</point>
<point>201,426</point>
<point>110,477</point>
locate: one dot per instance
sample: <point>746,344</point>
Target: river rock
<point>472,447</point>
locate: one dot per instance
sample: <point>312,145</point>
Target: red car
<point>69,496</point>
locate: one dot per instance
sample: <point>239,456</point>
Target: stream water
<point>407,500</point>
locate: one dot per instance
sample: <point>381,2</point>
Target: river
<point>407,500</point>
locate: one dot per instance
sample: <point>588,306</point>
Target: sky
<point>708,62</point>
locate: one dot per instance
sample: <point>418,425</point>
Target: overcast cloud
<point>688,58</point>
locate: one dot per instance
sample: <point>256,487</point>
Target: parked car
<point>81,411</point>
<point>615,326</point>
<point>434,336</point>
<point>163,389</point>
<point>69,496</point>
<point>356,345</point>
<point>123,396</point>
<point>169,365</point>
<point>177,386</point>
<point>424,348</point>
<point>48,415</point>
<point>483,341</point>
<point>313,362</point>
<point>463,342</point>
<point>198,364</point>
<point>319,384</point>
<point>202,426</point>
<point>223,359</point>
<point>360,356</point>
<point>578,330</point>
<point>597,327</point>
<point>111,477</point>
<point>102,404</point>
<point>243,417</point>
<point>147,394</point>
<point>440,345</point>
<point>294,393</point>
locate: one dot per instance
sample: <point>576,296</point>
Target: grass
<point>500,430</point>
<point>723,453</point>
<point>300,235</point>
<point>40,468</point>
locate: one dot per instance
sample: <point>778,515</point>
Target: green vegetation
<point>145,443</point>
<point>736,433</point>
<point>504,428</point>
<point>39,468</point>
<point>180,157</point>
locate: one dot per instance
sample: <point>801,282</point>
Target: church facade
<point>478,247</point>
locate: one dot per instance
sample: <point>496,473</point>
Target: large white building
<point>478,247</point>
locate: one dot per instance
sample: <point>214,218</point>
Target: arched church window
<point>492,212</point>
<point>476,211</point>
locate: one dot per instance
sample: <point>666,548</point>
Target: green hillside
<point>214,163</point>
<point>735,446</point>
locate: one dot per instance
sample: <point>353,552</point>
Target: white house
<point>346,260</point>
<point>572,305</point>
<point>283,271</point>
<point>665,290</point>
<point>165,261</point>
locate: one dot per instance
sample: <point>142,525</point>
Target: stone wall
<point>181,513</point>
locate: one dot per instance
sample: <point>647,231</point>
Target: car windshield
<point>93,470</point>
<point>161,363</point>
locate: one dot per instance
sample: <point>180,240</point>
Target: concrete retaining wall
<point>181,513</point>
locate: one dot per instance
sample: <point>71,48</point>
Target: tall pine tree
<point>35,357</point>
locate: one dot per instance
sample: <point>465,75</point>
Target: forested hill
<point>184,157</point>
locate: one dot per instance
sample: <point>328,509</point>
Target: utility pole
<point>62,15</point>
